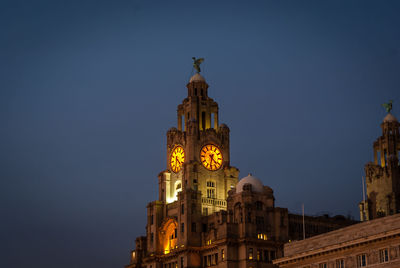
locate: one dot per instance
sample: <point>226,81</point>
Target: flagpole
<point>363,189</point>
<point>304,227</point>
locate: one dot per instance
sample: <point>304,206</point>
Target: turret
<point>383,175</point>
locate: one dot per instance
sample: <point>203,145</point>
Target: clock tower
<point>203,164</point>
<point>196,180</point>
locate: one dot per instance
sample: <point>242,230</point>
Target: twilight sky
<point>88,90</point>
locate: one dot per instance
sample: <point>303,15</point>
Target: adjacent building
<point>374,243</point>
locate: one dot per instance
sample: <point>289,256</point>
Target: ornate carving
<point>388,106</point>
<point>373,171</point>
<point>196,63</point>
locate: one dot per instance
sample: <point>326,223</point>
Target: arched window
<point>178,188</point>
<point>169,235</point>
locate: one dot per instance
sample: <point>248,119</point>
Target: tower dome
<point>389,118</point>
<point>197,78</point>
<point>256,184</point>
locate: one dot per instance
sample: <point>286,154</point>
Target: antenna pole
<point>304,227</point>
<point>363,189</point>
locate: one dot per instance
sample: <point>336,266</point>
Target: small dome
<point>256,184</point>
<point>389,118</point>
<point>197,78</point>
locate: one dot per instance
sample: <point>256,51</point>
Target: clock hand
<point>212,158</point>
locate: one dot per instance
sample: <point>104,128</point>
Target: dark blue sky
<point>88,90</point>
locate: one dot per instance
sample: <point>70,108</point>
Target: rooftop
<point>354,234</point>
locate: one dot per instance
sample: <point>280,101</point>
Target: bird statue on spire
<point>388,106</point>
<point>196,63</point>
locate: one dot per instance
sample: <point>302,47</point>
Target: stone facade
<point>383,175</point>
<point>203,216</point>
<point>374,243</point>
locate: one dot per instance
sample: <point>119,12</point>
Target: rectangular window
<point>259,220</point>
<point>266,256</point>
<point>203,120</point>
<point>272,255</point>
<point>151,237</point>
<point>362,260</point>
<point>210,193</point>
<point>323,265</point>
<point>205,211</point>
<point>250,253</point>
<point>216,258</point>
<point>183,209</point>
<point>182,227</point>
<point>181,262</point>
<point>193,227</point>
<point>259,255</point>
<point>383,255</point>
<point>151,220</point>
<point>340,263</point>
<point>222,254</point>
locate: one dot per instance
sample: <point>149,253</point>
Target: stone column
<point>179,122</point>
<point>216,120</point>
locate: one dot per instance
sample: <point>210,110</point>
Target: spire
<point>198,105</point>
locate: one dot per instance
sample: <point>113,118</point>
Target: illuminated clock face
<point>177,159</point>
<point>211,157</point>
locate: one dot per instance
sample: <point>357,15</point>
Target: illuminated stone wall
<point>373,239</point>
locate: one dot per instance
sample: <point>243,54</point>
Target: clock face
<point>177,158</point>
<point>211,157</point>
